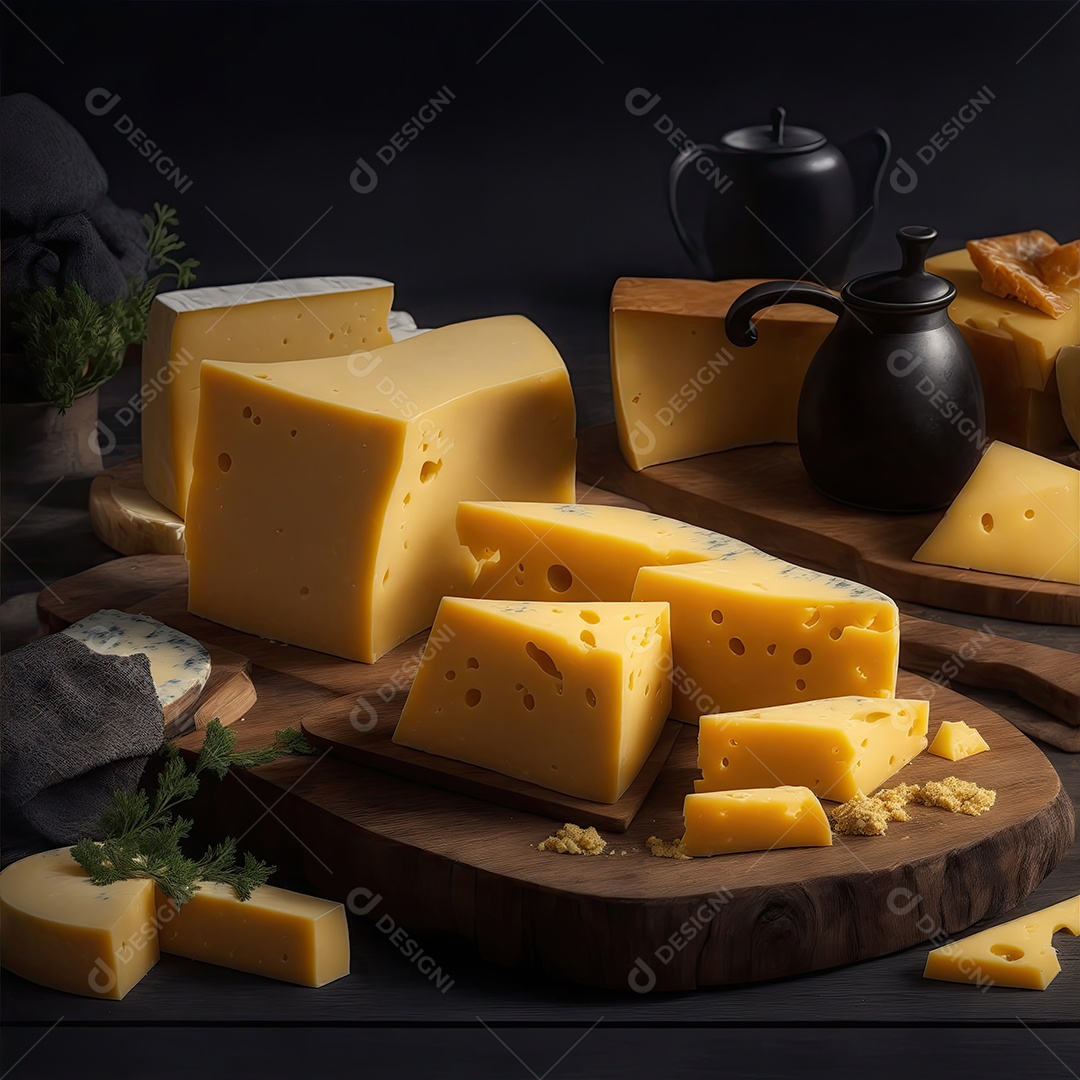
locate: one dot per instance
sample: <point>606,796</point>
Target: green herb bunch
<point>142,838</point>
<point>72,343</point>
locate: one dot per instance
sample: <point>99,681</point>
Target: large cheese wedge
<point>270,320</point>
<point>748,630</point>
<point>753,819</point>
<point>1014,347</point>
<point>682,389</point>
<point>1067,373</point>
<point>1019,953</point>
<point>59,930</point>
<point>322,509</point>
<point>838,748</point>
<point>277,933</point>
<point>570,696</point>
<point>1019,514</point>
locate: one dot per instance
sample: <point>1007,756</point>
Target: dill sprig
<point>143,838</point>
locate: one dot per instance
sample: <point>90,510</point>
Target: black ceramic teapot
<point>783,200</point>
<point>891,412</point>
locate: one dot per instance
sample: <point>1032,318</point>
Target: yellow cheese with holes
<point>748,630</point>
<point>682,389</point>
<point>322,509</point>
<point>956,740</point>
<point>570,696</point>
<point>1067,374</point>
<point>1019,514</point>
<point>1019,953</point>
<point>270,320</point>
<point>753,819</point>
<point>277,933</point>
<point>838,747</point>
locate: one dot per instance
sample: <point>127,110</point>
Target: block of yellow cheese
<point>277,933</point>
<point>955,740</point>
<point>1019,514</point>
<point>58,929</point>
<point>270,320</point>
<point>753,819</point>
<point>325,491</point>
<point>1067,374</point>
<point>1019,953</point>
<point>839,747</point>
<point>1014,347</point>
<point>681,389</point>
<point>569,696</point>
<point>748,630</point>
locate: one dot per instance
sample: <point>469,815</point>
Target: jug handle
<point>867,156</point>
<point>738,324</point>
<point>695,251</point>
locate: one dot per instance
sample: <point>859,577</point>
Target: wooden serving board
<point>762,495</point>
<point>444,861</point>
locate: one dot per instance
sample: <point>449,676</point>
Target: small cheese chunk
<point>1019,953</point>
<point>123,515</point>
<point>839,748</point>
<point>571,697</point>
<point>277,933</point>
<point>270,320</point>
<point>58,929</point>
<point>753,819</point>
<point>1019,514</point>
<point>955,740</point>
<point>1067,372</point>
<point>682,389</point>
<point>322,509</point>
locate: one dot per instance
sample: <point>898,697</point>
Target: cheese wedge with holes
<point>1067,374</point>
<point>1019,953</point>
<point>322,509</point>
<point>271,320</point>
<point>837,748</point>
<point>955,740</point>
<point>753,819</point>
<point>571,697</point>
<point>1018,514</point>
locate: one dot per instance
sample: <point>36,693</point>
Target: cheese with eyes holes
<point>754,819</point>
<point>838,748</point>
<point>569,696</point>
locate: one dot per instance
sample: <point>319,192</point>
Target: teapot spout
<point>867,156</point>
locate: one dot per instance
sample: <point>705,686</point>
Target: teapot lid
<point>911,286</point>
<point>774,138</point>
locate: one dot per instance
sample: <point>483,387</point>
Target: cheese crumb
<point>666,849</point>
<point>959,796</point>
<point>574,840</point>
<point>869,815</point>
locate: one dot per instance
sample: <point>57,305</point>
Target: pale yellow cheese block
<point>750,631</point>
<point>682,389</point>
<point>270,320</point>
<point>1018,514</point>
<point>1067,372</point>
<point>753,819</point>
<point>277,933</point>
<point>1019,953</point>
<point>955,740</point>
<point>569,696</point>
<point>839,747</point>
<point>325,491</point>
<point>124,516</point>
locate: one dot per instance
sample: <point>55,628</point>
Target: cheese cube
<point>955,740</point>
<point>1067,375</point>
<point>1019,514</point>
<point>753,819</point>
<point>682,389</point>
<point>322,509</point>
<point>1019,953</point>
<point>571,697</point>
<point>270,320</point>
<point>749,630</point>
<point>838,748</point>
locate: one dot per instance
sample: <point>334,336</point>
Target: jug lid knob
<point>776,137</point>
<point>909,286</point>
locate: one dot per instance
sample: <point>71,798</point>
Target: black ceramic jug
<point>783,201</point>
<point>891,412</point>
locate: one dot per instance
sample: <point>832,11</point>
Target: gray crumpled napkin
<point>76,726</point>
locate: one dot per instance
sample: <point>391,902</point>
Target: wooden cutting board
<point>444,861</point>
<point>762,495</point>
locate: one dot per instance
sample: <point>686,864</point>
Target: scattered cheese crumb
<point>861,816</point>
<point>666,849</point>
<point>959,796</point>
<point>895,799</point>
<point>574,840</point>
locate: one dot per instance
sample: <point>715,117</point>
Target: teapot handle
<point>695,251</point>
<point>738,324</point>
<point>867,156</point>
